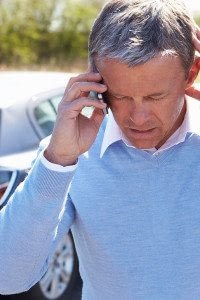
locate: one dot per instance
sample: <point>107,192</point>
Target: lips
<point>142,134</point>
<point>142,131</point>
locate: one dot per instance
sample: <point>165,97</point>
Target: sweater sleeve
<point>30,224</point>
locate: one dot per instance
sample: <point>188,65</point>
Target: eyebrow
<point>150,95</point>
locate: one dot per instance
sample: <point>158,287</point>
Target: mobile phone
<point>99,96</point>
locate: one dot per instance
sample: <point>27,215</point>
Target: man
<point>128,186</point>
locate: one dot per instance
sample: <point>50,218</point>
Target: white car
<point>28,106</point>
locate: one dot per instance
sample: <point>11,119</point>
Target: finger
<point>196,44</point>
<point>193,92</point>
<point>74,108</point>
<point>198,31</point>
<point>85,77</point>
<point>80,88</point>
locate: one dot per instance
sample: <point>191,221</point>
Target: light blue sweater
<point>135,219</point>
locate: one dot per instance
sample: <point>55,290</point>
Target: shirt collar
<point>190,124</point>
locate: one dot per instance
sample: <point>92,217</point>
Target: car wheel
<point>60,279</point>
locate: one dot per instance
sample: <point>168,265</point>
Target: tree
<point>37,31</point>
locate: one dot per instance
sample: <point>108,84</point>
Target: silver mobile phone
<point>101,97</point>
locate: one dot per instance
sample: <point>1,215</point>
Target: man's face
<point>147,100</point>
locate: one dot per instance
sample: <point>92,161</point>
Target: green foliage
<point>37,31</point>
<point>197,19</point>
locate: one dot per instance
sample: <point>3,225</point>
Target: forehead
<point>160,73</point>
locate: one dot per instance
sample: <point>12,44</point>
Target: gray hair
<point>135,31</point>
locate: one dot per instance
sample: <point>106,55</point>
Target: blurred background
<point>42,43</point>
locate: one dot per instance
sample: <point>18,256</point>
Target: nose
<point>139,115</point>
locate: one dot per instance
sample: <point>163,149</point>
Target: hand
<point>74,133</point>
<point>193,91</point>
<point>196,40</point>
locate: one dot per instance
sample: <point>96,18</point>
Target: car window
<point>45,114</point>
<point>5,177</point>
<point>55,101</point>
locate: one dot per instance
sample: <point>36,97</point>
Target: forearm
<point>27,227</point>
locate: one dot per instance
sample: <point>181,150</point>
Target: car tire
<point>50,289</point>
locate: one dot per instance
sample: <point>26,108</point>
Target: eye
<point>155,99</point>
<point>113,97</point>
<point>123,99</point>
<point>120,98</point>
<point>117,98</point>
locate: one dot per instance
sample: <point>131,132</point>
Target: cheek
<point>171,111</point>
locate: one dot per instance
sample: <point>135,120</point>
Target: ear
<point>193,73</point>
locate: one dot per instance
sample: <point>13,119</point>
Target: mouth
<point>147,133</point>
<point>141,131</point>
